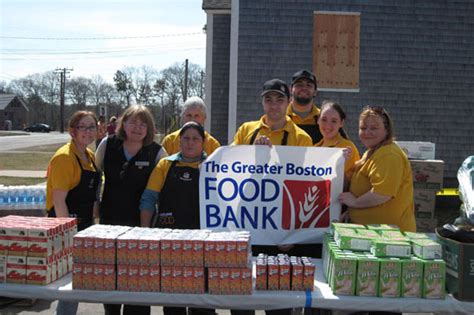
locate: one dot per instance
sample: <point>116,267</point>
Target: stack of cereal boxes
<point>227,255</point>
<point>284,273</point>
<point>379,260</point>
<point>35,250</point>
<point>162,260</point>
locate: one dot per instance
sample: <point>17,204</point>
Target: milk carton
<point>390,273</point>
<point>434,279</point>
<point>343,278</point>
<point>412,276</point>
<point>387,248</point>
<point>367,275</point>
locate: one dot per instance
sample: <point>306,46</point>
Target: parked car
<point>39,128</point>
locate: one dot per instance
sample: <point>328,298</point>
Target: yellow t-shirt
<point>296,135</point>
<point>341,142</point>
<point>386,172</point>
<point>308,120</point>
<point>64,172</point>
<point>172,146</point>
<point>158,175</point>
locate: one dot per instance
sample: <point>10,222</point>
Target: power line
<point>100,38</point>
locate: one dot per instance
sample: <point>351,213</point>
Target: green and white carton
<point>412,277</point>
<point>434,279</point>
<point>335,225</point>
<point>368,268</point>
<point>343,278</point>
<point>349,239</point>
<point>382,227</point>
<point>389,280</point>
<point>388,248</point>
<point>394,235</point>
<point>426,249</point>
<point>414,235</point>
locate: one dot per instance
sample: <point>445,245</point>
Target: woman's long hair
<point>342,115</point>
<point>376,111</point>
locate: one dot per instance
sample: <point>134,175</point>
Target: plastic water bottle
<point>3,198</point>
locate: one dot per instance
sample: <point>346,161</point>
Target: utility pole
<point>202,84</point>
<point>62,90</point>
<point>185,96</point>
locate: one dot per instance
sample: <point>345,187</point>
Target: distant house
<point>13,112</point>
<point>415,58</point>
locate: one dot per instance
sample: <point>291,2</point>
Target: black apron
<point>179,199</point>
<point>313,130</point>
<point>80,200</point>
<point>284,140</point>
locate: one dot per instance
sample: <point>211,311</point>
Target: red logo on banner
<point>306,204</point>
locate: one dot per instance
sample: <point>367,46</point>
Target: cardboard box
<point>426,225</point>
<point>427,174</point>
<point>418,150</point>
<point>424,203</point>
<point>459,258</point>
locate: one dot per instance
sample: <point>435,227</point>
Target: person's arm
<point>368,200</point>
<point>147,206</point>
<point>99,155</point>
<point>59,203</point>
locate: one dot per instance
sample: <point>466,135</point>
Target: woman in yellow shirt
<point>381,188</point>
<point>331,125</point>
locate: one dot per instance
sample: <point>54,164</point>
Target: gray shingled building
<point>415,58</point>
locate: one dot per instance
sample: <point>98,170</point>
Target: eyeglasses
<point>86,128</point>
<point>134,123</point>
<point>124,169</point>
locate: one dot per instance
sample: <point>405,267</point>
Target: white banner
<point>281,194</point>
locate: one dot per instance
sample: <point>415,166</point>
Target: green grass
<point>36,159</point>
<point>12,181</point>
<point>43,148</point>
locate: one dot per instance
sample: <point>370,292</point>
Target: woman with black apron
<point>127,159</point>
<point>175,183</point>
<point>73,180</point>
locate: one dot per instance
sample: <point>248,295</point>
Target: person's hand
<point>263,140</point>
<point>344,217</point>
<point>347,198</point>
<point>347,153</point>
<point>285,247</point>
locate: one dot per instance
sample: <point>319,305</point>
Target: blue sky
<point>98,37</point>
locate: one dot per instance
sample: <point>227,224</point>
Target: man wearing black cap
<point>274,127</point>
<point>302,109</point>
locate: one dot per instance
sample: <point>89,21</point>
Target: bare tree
<point>79,90</point>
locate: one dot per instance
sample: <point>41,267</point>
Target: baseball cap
<point>304,74</point>
<point>276,85</point>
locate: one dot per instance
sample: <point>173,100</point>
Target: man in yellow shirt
<point>194,109</point>
<point>274,127</point>
<point>302,110</point>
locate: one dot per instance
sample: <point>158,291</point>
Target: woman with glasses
<point>381,188</point>
<point>175,183</point>
<point>73,181</point>
<point>127,159</point>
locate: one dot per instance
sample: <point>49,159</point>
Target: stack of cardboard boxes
<point>428,176</point>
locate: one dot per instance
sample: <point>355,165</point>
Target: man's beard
<point>303,100</point>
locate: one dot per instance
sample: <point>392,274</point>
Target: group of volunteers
<point>140,174</point>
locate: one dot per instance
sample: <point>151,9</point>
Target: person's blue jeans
<point>66,308</point>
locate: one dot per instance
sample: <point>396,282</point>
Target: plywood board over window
<point>336,50</point>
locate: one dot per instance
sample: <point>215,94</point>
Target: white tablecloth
<point>321,297</point>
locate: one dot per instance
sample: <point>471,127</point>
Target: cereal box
<point>122,243</point>
<point>99,250</point>
<point>166,256</point>
<point>177,279</point>
<point>88,276</point>
<point>213,280</point>
<point>188,279</point>
<point>144,274</point>
<point>246,282</point>
<point>167,279</point>
<point>77,277</point>
<point>122,277</point>
<point>40,242</point>
<point>16,269</point>
<point>199,286</point>
<point>155,277</point>
<point>177,251</point>
<point>224,281</point>
<point>235,281</point>
<point>296,274</point>
<point>434,279</point>
<point>367,275</point>
<point>133,255</point>
<point>261,275</point>
<point>154,251</point>
<point>412,276</point>
<point>284,281</point>
<point>143,251</point>
<point>187,252</point>
<point>273,275</point>
<point>38,271</point>
<point>134,278</point>
<point>98,277</point>
<point>390,273</point>
<point>18,241</point>
<point>109,277</point>
<point>198,252</point>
